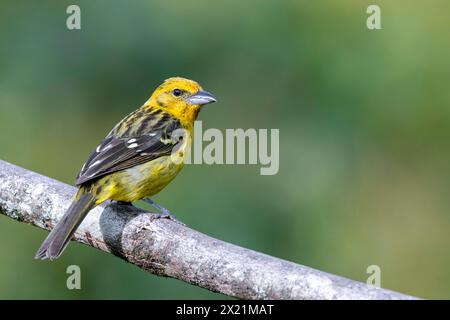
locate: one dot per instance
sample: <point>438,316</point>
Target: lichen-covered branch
<point>169,249</point>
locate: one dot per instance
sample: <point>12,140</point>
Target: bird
<point>141,155</point>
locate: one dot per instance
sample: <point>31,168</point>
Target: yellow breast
<point>144,180</point>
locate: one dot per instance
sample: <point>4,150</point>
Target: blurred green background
<point>364,119</point>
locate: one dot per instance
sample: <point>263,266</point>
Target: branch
<point>169,249</point>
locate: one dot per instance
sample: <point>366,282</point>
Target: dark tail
<point>59,237</point>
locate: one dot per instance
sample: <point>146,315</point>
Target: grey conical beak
<point>201,97</point>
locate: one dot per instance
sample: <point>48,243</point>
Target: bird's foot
<point>164,213</point>
<point>155,216</point>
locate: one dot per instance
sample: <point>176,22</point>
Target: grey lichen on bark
<point>170,249</point>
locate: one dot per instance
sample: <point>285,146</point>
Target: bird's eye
<point>177,92</point>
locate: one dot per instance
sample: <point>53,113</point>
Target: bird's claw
<point>165,215</point>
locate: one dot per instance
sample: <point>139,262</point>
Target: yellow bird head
<point>181,97</point>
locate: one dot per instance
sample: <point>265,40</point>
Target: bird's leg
<point>164,213</point>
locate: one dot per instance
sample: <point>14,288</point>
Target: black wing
<point>115,154</point>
